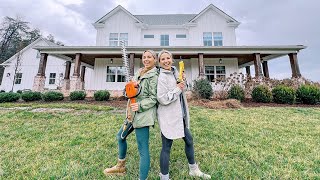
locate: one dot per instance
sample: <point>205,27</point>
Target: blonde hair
<point>154,54</point>
<point>164,51</point>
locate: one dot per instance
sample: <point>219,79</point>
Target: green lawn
<point>253,143</point>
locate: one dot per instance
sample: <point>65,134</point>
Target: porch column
<point>257,65</point>
<point>201,64</point>
<point>248,72</point>
<point>66,79</point>
<point>82,76</point>
<point>40,78</point>
<point>75,82</point>
<point>265,69</point>
<point>294,65</point>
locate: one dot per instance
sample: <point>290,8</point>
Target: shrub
<point>1,91</point>
<point>52,96</point>
<point>101,95</point>
<point>261,94</point>
<point>236,92</point>
<point>9,97</point>
<point>308,94</point>
<point>202,88</point>
<point>31,96</point>
<point>283,94</point>
<point>19,91</point>
<point>77,95</point>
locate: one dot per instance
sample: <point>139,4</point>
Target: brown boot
<point>119,169</point>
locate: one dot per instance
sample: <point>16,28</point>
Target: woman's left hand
<point>134,107</point>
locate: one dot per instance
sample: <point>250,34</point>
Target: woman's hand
<point>134,107</point>
<point>181,85</point>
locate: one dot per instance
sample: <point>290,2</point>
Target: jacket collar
<point>150,73</point>
<point>173,69</point>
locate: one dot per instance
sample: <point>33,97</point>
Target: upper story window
<point>18,78</point>
<point>148,36</point>
<point>115,38</point>
<point>52,78</point>
<point>164,40</point>
<point>115,74</point>
<point>207,38</point>
<point>181,36</point>
<point>217,38</point>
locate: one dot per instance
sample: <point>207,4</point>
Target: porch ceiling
<point>243,53</point>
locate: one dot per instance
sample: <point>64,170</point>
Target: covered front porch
<point>212,62</point>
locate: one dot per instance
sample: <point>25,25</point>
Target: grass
<point>255,143</point>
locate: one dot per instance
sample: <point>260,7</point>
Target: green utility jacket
<point>147,99</point>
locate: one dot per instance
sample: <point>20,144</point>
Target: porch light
<point>8,74</point>
<point>220,61</point>
<point>111,61</point>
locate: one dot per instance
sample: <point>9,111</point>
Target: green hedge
<point>203,88</point>
<point>308,94</point>
<point>101,95</point>
<point>283,95</point>
<point>31,96</point>
<point>77,95</point>
<point>52,96</point>
<point>261,94</point>
<point>9,97</point>
<point>236,92</point>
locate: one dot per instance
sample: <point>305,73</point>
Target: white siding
<point>120,22</point>
<point>173,41</point>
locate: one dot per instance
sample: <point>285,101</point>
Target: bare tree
<point>17,66</point>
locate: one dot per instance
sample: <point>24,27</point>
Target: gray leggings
<point>166,147</point>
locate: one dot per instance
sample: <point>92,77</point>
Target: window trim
<point>52,78</point>
<point>148,36</point>
<point>164,41</point>
<point>217,40</point>
<point>115,74</point>
<point>207,39</point>
<point>18,78</point>
<point>181,36</point>
<point>116,40</point>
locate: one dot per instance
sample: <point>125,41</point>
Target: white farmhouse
<point>206,42</point>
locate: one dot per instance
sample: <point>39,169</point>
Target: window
<point>115,38</point>
<point>18,78</point>
<point>207,39</point>
<point>124,37</point>
<point>217,37</point>
<point>221,72</point>
<point>115,74</point>
<point>209,72</point>
<point>218,72</point>
<point>164,40</point>
<point>148,36</point>
<point>181,36</point>
<point>52,78</point>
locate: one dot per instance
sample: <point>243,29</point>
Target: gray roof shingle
<point>166,19</point>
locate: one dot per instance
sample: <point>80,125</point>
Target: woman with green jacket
<point>145,114</point>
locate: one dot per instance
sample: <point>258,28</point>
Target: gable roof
<point>49,43</point>
<point>219,11</point>
<point>167,19</point>
<point>112,12</point>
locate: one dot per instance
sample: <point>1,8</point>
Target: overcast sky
<point>272,22</point>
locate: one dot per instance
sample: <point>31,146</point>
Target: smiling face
<point>166,61</point>
<point>148,60</point>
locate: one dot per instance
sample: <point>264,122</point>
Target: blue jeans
<point>142,136</point>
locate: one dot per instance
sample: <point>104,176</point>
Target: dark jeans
<point>166,147</point>
<point>142,136</point>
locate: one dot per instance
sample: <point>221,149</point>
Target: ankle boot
<point>118,169</point>
<point>195,171</point>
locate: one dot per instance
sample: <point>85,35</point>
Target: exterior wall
<point>211,21</point>
<point>120,22</point>
<point>173,41</point>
